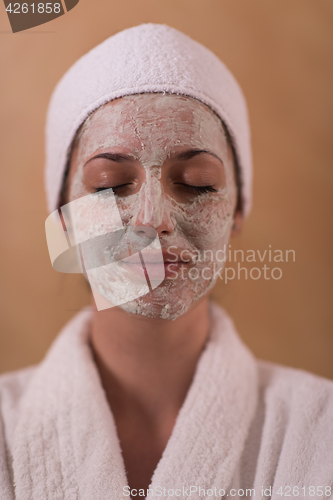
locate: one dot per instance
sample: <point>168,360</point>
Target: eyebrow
<point>183,156</point>
<point>191,153</point>
<point>117,157</point>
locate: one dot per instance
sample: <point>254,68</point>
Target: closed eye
<point>197,189</point>
<point>115,189</point>
<point>187,187</point>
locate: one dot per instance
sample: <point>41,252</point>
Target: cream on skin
<point>171,168</point>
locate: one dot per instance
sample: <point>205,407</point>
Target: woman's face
<point>169,164</point>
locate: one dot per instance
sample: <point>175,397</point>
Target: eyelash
<point>191,189</point>
<point>114,188</point>
<point>197,189</point>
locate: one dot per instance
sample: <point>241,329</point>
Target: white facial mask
<point>150,128</point>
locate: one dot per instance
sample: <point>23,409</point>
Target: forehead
<point>147,118</point>
<point>162,107</point>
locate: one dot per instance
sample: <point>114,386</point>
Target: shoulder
<point>13,386</point>
<point>298,395</point>
<point>14,383</point>
<point>291,437</point>
<point>293,386</point>
<point>297,409</point>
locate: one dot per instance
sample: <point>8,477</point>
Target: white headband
<point>146,58</point>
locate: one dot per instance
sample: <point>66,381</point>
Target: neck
<point>147,365</point>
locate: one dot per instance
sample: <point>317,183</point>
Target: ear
<point>238,223</point>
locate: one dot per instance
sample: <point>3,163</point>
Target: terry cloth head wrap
<point>146,58</point>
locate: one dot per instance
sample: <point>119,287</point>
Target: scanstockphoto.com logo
<point>26,15</point>
<point>123,263</point>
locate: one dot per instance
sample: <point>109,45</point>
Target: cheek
<point>92,216</point>
<point>207,221</point>
<point>76,186</point>
<point>128,207</point>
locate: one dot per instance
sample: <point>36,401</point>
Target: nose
<point>153,211</point>
<point>147,229</point>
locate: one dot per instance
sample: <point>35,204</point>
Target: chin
<point>170,300</point>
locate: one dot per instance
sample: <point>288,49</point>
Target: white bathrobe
<point>245,424</point>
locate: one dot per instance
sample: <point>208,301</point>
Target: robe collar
<point>66,444</point>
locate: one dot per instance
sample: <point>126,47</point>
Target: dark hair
<point>63,195</point>
<point>239,204</point>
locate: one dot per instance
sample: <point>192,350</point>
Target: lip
<point>156,267</point>
<point>154,257</point>
<point>174,257</point>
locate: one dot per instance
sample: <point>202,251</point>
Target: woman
<point>151,392</point>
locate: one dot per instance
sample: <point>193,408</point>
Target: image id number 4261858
<point>40,8</point>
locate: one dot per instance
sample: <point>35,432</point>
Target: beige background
<point>281,51</point>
